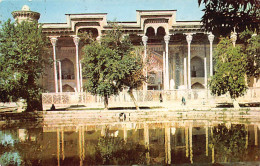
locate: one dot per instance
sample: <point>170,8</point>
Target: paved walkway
<point>170,106</point>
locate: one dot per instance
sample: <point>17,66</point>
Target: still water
<point>124,143</point>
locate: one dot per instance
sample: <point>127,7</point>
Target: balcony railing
<point>71,98</point>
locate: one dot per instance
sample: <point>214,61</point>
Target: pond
<point>128,143</point>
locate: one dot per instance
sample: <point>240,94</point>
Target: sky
<point>53,11</point>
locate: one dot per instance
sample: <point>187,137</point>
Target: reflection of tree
<point>229,144</point>
<point>8,154</point>
<point>114,150</point>
<point>16,152</point>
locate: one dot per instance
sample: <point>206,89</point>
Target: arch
<point>67,88</point>
<point>150,31</point>
<point>197,67</point>
<point>161,31</point>
<point>92,31</point>
<point>197,85</point>
<point>67,69</point>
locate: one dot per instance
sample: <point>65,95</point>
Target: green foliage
<point>133,65</point>
<point>100,68</point>
<point>22,47</point>
<point>230,70</point>
<point>252,48</point>
<point>111,64</point>
<point>221,16</point>
<point>229,144</point>
<point>115,151</point>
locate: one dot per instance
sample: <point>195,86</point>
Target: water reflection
<point>123,143</point>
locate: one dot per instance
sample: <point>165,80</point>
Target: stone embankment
<point>81,118</point>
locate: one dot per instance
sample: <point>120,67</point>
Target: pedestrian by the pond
<point>160,98</point>
<point>183,101</point>
<point>53,107</point>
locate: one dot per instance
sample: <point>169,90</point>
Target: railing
<point>71,98</point>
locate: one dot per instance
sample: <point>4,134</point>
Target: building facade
<point>179,53</point>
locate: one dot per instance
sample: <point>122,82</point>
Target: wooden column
<point>53,42</point>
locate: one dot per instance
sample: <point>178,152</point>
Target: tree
<point>222,16</point>
<point>230,67</point>
<point>22,46</point>
<point>134,77</point>
<point>111,65</point>
<point>253,52</point>
<point>251,49</point>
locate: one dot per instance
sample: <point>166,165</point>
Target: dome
<point>25,8</point>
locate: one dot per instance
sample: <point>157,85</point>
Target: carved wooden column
<point>53,42</point>
<point>189,39</point>
<point>81,78</point>
<point>185,72</point>
<point>167,39</point>
<point>211,38</point>
<point>205,73</point>
<point>145,39</point>
<point>60,77</point>
<point>164,72</point>
<point>76,41</point>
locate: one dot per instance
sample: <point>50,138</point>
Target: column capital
<point>189,37</point>
<point>211,37</point>
<point>53,40</point>
<point>144,39</point>
<point>76,40</point>
<point>167,39</point>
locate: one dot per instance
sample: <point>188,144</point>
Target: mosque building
<point>180,53</point>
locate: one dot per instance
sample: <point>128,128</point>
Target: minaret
<point>25,15</point>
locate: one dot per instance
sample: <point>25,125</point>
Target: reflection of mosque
<point>179,53</point>
<point>167,142</point>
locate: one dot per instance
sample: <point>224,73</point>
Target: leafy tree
<point>111,65</point>
<point>251,49</point>
<point>221,16</point>
<point>230,67</point>
<point>22,46</point>
<point>134,76</point>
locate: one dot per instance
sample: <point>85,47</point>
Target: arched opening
<point>93,32</point>
<point>197,86</point>
<point>67,88</point>
<point>150,32</point>
<point>67,69</point>
<point>161,31</point>
<point>197,67</point>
